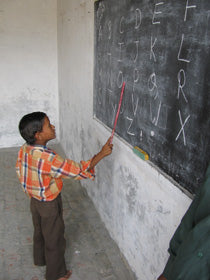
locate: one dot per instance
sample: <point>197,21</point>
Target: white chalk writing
<point>155,13</point>
<point>137,50</point>
<point>121,25</point>
<point>152,84</point>
<point>114,107</point>
<point>135,77</point>
<point>109,30</point>
<point>181,83</point>
<point>120,79</point>
<point>128,131</point>
<point>182,127</point>
<point>138,18</point>
<point>186,9</point>
<point>180,48</point>
<point>152,54</point>
<point>134,104</point>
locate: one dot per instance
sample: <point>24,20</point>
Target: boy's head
<point>35,128</point>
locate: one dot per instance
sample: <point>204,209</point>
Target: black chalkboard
<point>161,49</point>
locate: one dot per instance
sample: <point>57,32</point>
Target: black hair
<point>30,124</point>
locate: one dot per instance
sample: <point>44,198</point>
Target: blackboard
<point>161,49</point>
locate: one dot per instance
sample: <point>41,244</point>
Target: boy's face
<point>47,133</point>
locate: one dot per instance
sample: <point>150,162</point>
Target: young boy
<point>40,171</point>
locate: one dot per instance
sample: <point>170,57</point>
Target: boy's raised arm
<point>105,151</point>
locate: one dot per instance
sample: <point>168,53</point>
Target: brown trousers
<point>48,240</point>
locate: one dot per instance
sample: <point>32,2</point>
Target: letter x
<point>182,127</point>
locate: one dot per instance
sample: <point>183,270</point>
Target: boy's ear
<point>38,136</point>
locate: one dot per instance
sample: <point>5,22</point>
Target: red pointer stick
<point>118,111</point>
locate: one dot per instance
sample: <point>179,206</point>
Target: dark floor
<point>91,253</point>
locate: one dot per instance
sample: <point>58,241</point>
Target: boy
<point>40,171</point>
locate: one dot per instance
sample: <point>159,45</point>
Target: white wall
<point>28,64</point>
<point>140,207</point>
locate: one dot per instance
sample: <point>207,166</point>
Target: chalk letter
<point>138,17</point>
<point>158,113</point>
<point>156,13</point>
<point>131,120</point>
<point>135,106</point>
<point>152,54</point>
<point>188,7</point>
<point>181,84</point>
<point>154,120</point>
<point>121,29</point>
<point>135,77</point>
<point>120,79</point>
<point>152,82</point>
<point>114,112</point>
<point>180,48</point>
<point>110,29</point>
<point>182,127</point>
<point>137,50</point>
<point>141,135</point>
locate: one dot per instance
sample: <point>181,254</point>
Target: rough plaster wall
<point>28,68</point>
<point>140,207</point>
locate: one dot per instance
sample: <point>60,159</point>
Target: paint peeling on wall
<point>131,185</point>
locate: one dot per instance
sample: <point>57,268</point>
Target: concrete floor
<point>90,253</point>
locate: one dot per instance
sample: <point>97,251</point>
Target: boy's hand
<point>107,148</point>
<point>105,151</point>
